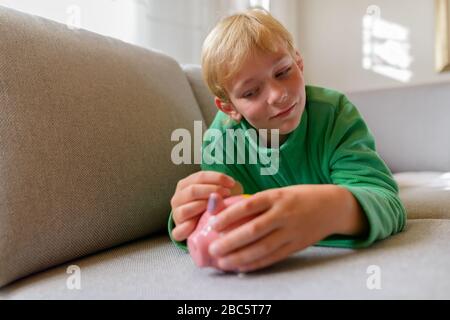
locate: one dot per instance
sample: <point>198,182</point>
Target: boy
<point>331,187</point>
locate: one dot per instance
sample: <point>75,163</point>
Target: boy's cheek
<point>254,115</point>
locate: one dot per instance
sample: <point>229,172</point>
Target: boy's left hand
<point>288,219</point>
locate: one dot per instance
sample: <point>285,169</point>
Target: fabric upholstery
<point>412,265</point>
<point>410,125</point>
<point>204,97</point>
<point>85,140</point>
<point>426,195</point>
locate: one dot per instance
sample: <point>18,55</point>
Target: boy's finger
<point>240,210</point>
<point>206,177</point>
<point>189,211</point>
<point>257,250</point>
<point>237,189</point>
<point>242,236</point>
<point>184,230</point>
<point>278,255</point>
<point>198,192</point>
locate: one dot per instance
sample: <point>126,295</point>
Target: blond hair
<point>233,40</point>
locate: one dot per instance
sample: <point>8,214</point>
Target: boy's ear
<point>299,60</point>
<point>228,108</point>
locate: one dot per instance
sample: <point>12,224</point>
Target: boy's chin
<point>290,125</point>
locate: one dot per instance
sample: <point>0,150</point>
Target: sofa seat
<point>412,264</point>
<point>425,194</point>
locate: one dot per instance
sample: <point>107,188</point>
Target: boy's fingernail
<point>212,202</point>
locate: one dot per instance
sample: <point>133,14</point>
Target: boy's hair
<point>233,39</point>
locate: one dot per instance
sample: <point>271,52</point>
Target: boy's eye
<point>283,73</point>
<point>250,94</point>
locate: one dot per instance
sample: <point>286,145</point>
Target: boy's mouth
<point>284,112</point>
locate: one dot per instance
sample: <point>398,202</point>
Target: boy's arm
<point>348,218</point>
<point>355,165</point>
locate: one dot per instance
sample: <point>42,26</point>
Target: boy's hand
<point>290,219</point>
<point>191,198</point>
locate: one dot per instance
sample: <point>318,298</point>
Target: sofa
<point>86,179</point>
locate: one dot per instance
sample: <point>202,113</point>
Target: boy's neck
<point>266,138</point>
<point>281,139</point>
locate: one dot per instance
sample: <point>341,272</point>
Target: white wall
<point>329,33</point>
<point>179,27</point>
<point>176,27</point>
<point>113,18</point>
<point>330,37</point>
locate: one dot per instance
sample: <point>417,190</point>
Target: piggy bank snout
<point>203,235</point>
<point>198,243</point>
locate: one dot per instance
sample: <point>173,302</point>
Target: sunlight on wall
<point>386,47</point>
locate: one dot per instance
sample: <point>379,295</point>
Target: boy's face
<point>269,92</point>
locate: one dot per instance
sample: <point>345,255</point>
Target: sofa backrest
<point>85,142</point>
<point>204,97</point>
<point>411,125</point>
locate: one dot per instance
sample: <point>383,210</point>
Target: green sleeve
<point>355,165</point>
<point>170,225</point>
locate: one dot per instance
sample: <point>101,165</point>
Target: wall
<point>329,34</point>
<point>330,37</point>
<point>176,27</point>
<point>113,18</point>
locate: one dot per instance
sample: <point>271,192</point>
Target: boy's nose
<point>278,95</point>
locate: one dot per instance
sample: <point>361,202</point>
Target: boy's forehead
<point>253,63</point>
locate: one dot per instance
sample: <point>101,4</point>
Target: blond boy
<point>331,189</point>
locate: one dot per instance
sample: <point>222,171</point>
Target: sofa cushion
<point>204,97</point>
<point>426,195</point>
<point>85,142</point>
<point>412,265</point>
<point>410,125</point>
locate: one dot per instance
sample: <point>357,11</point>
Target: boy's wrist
<point>336,209</point>
<point>346,214</point>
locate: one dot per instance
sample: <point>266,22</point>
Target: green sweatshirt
<point>331,145</point>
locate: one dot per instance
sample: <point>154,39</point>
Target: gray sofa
<point>86,179</point>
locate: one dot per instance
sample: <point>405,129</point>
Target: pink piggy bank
<point>203,235</point>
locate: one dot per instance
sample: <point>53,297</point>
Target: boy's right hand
<point>191,199</point>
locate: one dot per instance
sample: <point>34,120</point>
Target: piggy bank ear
<point>215,203</point>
